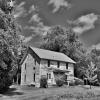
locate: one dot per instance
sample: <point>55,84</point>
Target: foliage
<point>78,81</point>
<point>10,43</point>
<point>60,78</point>
<point>59,82</point>
<point>61,39</point>
<point>43,82</point>
<point>71,83</point>
<point>90,73</point>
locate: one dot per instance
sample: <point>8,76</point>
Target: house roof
<point>51,55</point>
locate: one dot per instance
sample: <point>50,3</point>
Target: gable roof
<point>51,55</point>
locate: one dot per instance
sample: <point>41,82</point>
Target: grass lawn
<point>53,93</point>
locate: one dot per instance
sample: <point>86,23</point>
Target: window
<point>66,65</point>
<point>33,68</point>
<point>34,77</point>
<point>25,78</point>
<point>35,61</point>
<point>49,76</point>
<point>48,63</point>
<point>58,64</point>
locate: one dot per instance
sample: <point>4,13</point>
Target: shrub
<point>43,82</point>
<point>59,82</point>
<point>72,83</point>
<point>79,81</point>
<point>5,82</point>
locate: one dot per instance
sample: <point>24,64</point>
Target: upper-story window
<point>48,63</point>
<point>35,61</point>
<point>49,76</point>
<point>66,65</point>
<point>58,64</point>
<point>25,78</point>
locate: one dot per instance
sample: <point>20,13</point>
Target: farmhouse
<point>39,62</point>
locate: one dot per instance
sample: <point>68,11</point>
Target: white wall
<point>53,64</point>
<point>43,67</point>
<point>29,72</point>
<point>44,70</point>
<point>71,73</point>
<point>62,65</point>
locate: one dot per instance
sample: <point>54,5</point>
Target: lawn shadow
<point>12,92</point>
<point>85,87</point>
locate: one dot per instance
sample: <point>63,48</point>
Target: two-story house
<point>39,62</point>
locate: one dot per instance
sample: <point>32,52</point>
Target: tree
<point>61,39</point>
<point>9,44</point>
<point>90,73</point>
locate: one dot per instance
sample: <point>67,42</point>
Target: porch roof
<point>58,70</point>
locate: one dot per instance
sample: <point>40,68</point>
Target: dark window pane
<point>25,66</point>
<point>66,65</point>
<point>48,63</point>
<point>34,77</point>
<point>58,64</point>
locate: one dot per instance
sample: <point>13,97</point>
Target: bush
<point>43,82</point>
<point>59,82</point>
<point>72,83</point>
<point>78,81</point>
<point>5,82</point>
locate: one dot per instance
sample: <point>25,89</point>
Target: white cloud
<point>85,23</point>
<point>38,26</point>
<point>58,4</point>
<point>41,30</point>
<point>97,46</point>
<point>33,9</point>
<point>26,39</point>
<point>20,10</point>
<point>35,18</point>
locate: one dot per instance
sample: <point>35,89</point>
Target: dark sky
<point>37,16</point>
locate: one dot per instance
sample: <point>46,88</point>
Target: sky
<point>37,16</point>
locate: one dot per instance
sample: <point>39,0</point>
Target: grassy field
<point>53,93</point>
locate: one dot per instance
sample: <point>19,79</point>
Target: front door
<point>50,78</point>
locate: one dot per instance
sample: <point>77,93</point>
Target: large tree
<point>9,44</point>
<point>61,39</point>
